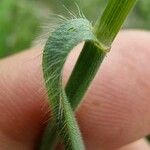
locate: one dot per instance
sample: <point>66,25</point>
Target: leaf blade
<point>58,46</point>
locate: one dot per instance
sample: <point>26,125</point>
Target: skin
<point>115,111</point>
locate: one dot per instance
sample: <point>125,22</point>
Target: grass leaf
<point>63,101</point>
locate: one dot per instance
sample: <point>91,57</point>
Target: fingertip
<point>141,144</point>
<point>116,107</point>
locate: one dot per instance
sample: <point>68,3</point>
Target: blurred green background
<point>20,20</point>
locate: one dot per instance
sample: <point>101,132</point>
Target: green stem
<point>83,73</point>
<point>106,29</point>
<point>107,26</point>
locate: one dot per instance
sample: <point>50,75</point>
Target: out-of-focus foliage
<point>139,18</point>
<point>19,23</point>
<point>20,19</point>
<point>91,8</point>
